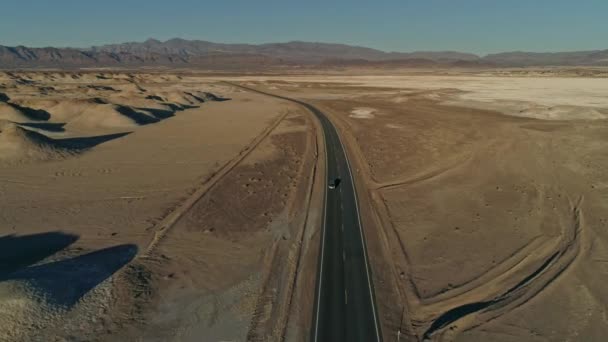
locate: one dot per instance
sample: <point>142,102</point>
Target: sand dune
<point>8,112</point>
<point>129,88</point>
<point>40,111</point>
<point>37,292</point>
<point>109,116</point>
<point>63,110</point>
<point>88,102</point>
<point>13,111</point>
<point>18,144</point>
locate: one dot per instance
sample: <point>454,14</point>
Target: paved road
<point>344,305</point>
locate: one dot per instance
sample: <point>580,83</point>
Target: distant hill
<point>202,54</point>
<point>23,57</point>
<point>519,58</point>
<point>296,51</point>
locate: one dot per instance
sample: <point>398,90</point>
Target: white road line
<point>371,294</point>
<point>345,297</point>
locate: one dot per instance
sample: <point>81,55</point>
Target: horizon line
<point>481,55</point>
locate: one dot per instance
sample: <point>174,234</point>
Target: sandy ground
<point>483,226</point>
<point>148,206</point>
<point>174,207</point>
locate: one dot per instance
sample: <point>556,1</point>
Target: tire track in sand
<point>505,293</point>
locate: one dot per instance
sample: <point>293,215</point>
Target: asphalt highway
<point>344,308</point>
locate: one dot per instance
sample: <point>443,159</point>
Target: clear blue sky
<point>479,26</point>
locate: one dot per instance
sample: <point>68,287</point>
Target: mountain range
<point>202,54</point>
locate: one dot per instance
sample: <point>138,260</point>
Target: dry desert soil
<point>163,206</point>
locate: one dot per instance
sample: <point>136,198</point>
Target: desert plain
<point>178,206</point>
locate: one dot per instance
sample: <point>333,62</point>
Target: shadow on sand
<point>31,113</point>
<point>160,114</point>
<point>83,143</point>
<point>22,251</point>
<point>62,282</point>
<point>208,97</point>
<point>139,118</point>
<point>45,126</point>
